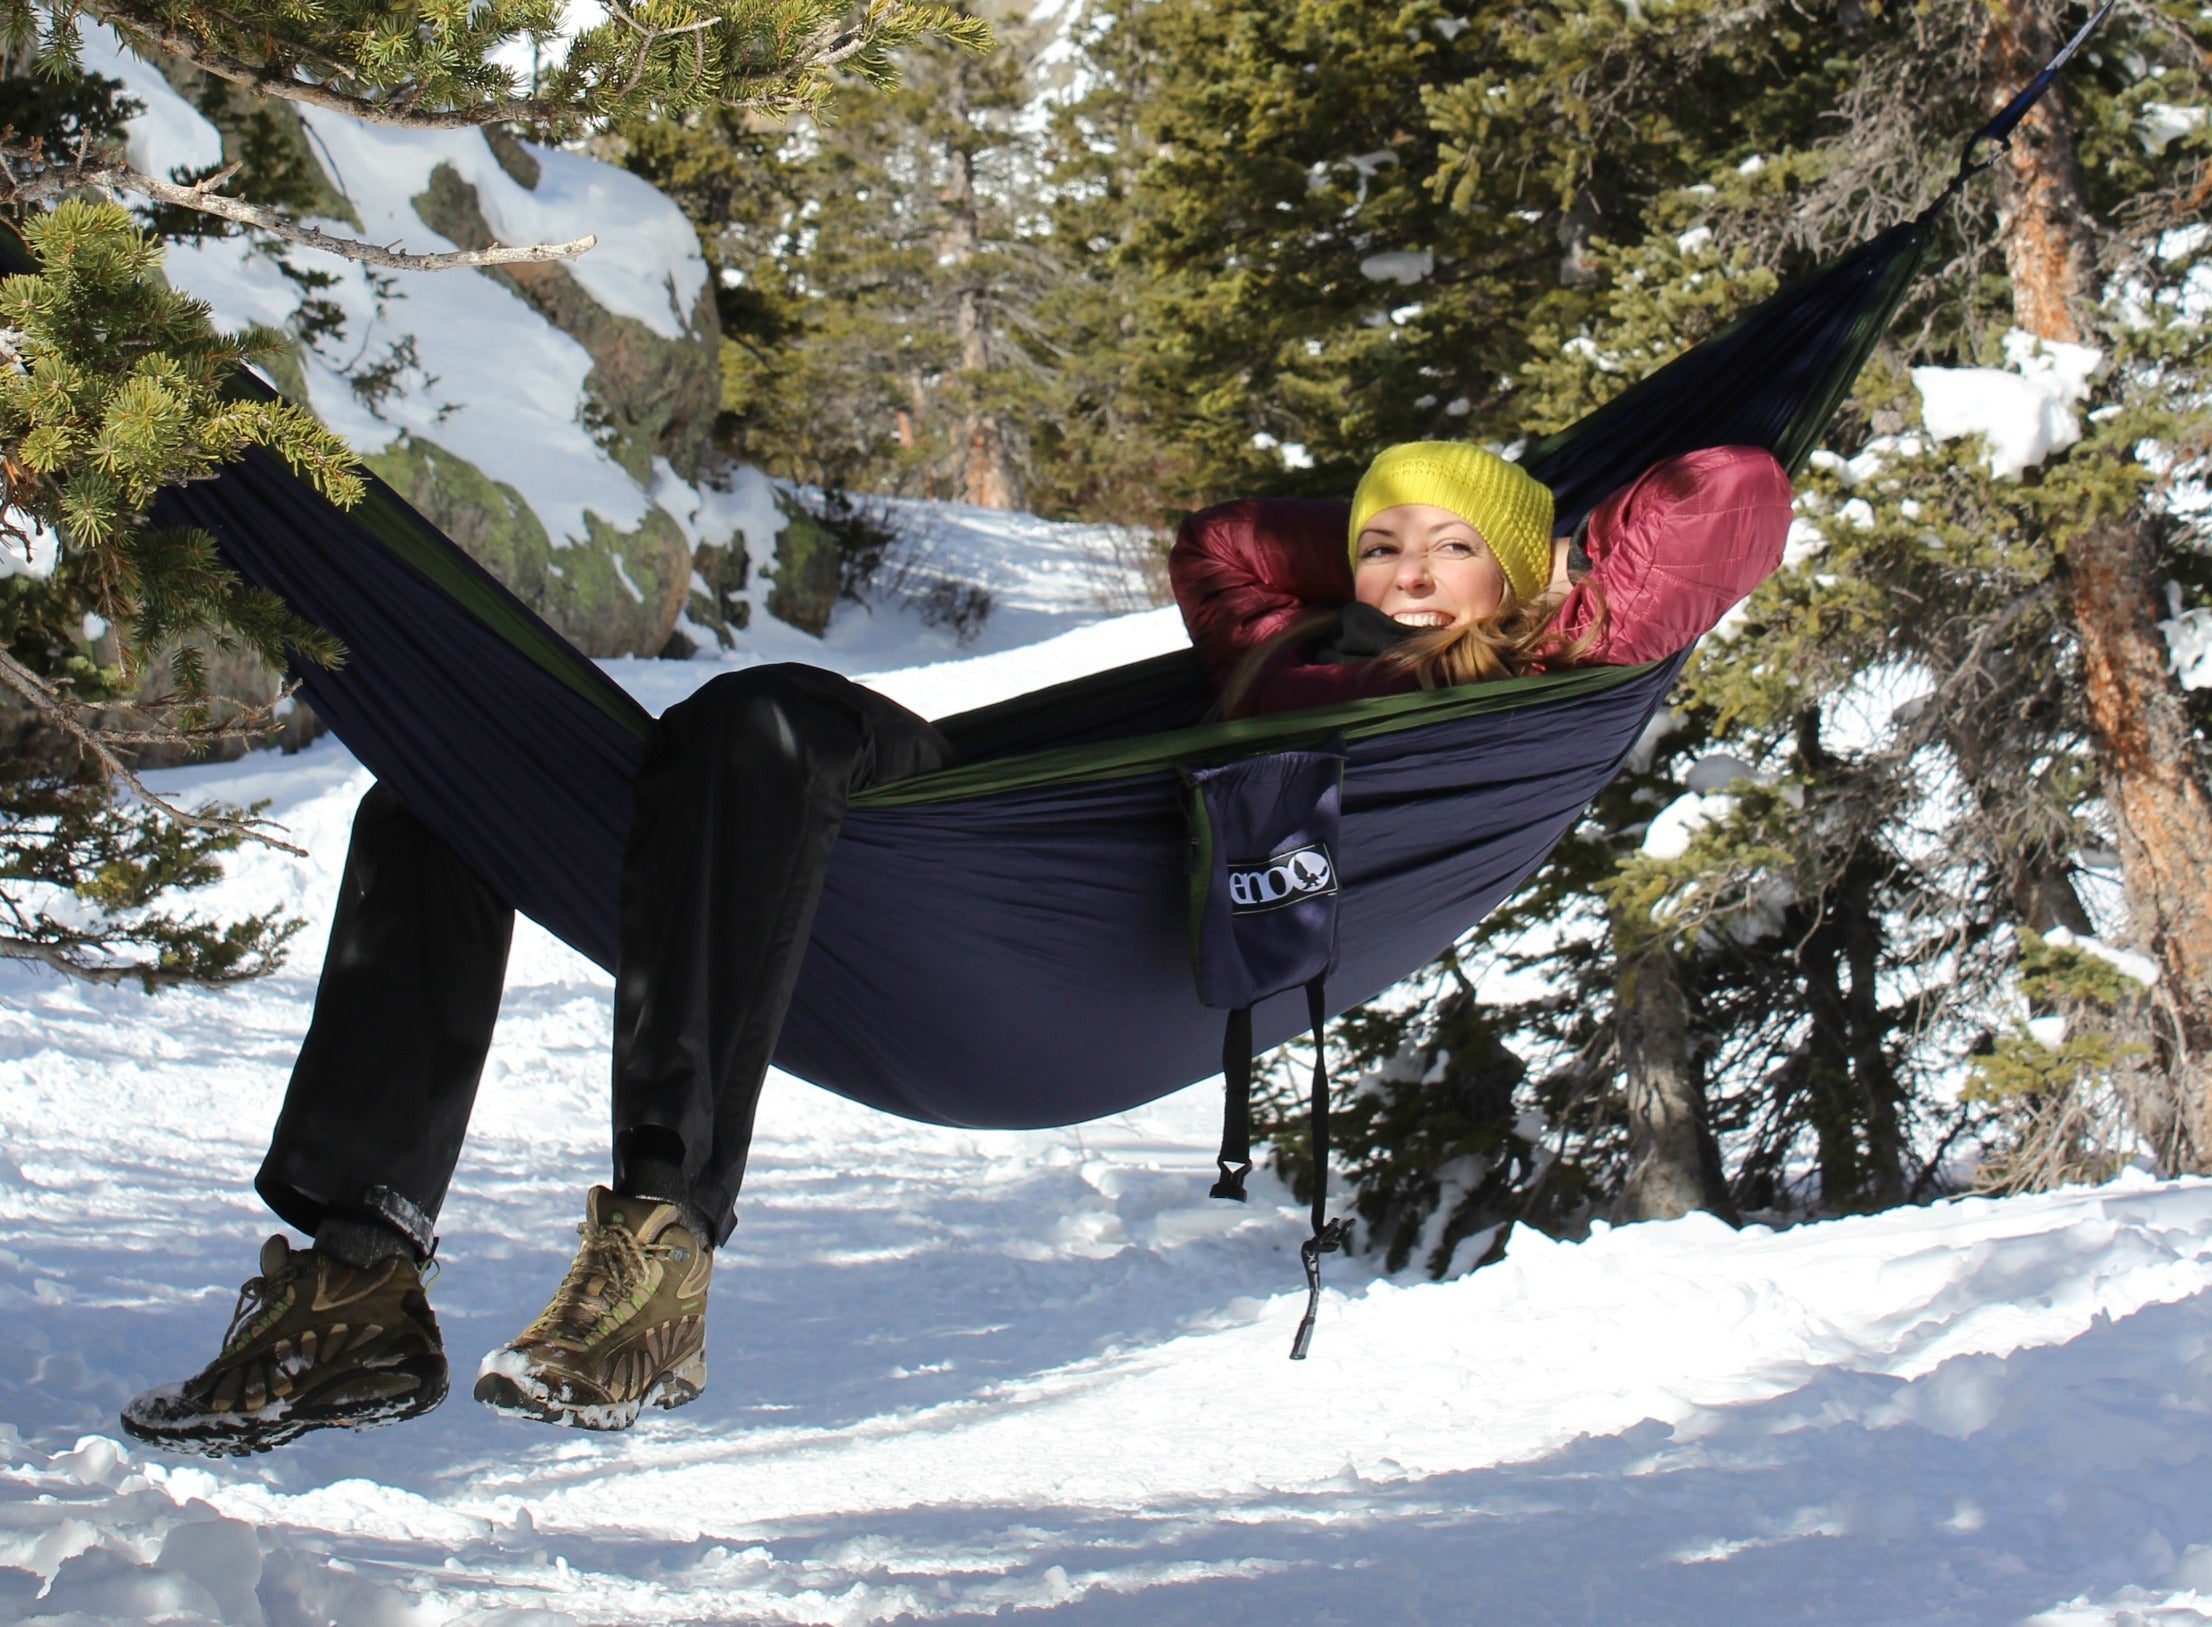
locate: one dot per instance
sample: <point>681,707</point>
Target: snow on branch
<point>27,175</point>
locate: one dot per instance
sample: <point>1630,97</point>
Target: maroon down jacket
<point>1671,552</point>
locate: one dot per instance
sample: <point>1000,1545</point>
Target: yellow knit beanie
<point>1501,500</point>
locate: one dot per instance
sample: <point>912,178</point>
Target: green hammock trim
<point>1217,742</point>
<point>382,512</point>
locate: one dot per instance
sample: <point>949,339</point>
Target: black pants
<point>738,807</point>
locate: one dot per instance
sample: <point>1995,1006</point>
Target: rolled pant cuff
<point>305,1210</point>
<point>403,1216</point>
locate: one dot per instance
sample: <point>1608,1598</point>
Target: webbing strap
<point>1235,1157</point>
<point>1328,1235</point>
<point>1316,1011</point>
<point>1998,131</point>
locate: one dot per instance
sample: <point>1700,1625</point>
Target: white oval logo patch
<point>1286,878</point>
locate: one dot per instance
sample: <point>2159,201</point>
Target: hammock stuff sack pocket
<point>1263,909</point>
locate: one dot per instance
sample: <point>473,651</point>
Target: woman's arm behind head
<point>1244,571</point>
<point>1672,551</point>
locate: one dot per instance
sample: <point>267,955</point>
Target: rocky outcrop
<point>617,594</point>
<point>647,396</point>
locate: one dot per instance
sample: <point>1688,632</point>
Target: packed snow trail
<point>960,1373</point>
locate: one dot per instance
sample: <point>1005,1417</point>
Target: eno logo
<point>1287,878</point>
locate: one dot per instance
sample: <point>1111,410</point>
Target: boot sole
<point>240,1434</point>
<point>504,1393</point>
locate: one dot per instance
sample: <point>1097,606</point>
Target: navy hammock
<point>1006,943</point>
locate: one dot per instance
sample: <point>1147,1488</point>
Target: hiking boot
<point>626,1327</point>
<point>315,1343</point>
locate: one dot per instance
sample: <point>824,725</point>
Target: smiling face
<point>1424,566</point>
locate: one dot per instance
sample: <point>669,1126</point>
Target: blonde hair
<point>1507,643</point>
<point>1504,644</point>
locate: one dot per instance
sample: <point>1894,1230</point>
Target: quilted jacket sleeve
<point>1244,571</point>
<point>1674,549</point>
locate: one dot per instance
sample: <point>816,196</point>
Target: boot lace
<point>261,1301</point>
<point>607,1283</point>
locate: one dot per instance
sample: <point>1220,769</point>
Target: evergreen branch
<point>51,180</point>
<point>648,34</point>
<point>26,683</point>
<point>148,975</point>
<point>437,79</point>
<point>267,80</point>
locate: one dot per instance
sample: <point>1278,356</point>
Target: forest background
<point>1911,887</point>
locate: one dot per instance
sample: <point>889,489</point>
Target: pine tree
<point>2063,240</point>
<point>85,879</point>
<point>1099,448</point>
<point>1901,938</point>
<point>880,272</point>
<point>1809,975</point>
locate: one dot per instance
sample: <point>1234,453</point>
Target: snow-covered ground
<point>957,1374</point>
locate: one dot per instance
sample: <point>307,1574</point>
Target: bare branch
<point>51,179</point>
<point>26,683</point>
<point>252,722</point>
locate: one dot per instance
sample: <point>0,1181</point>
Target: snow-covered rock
<point>522,409</point>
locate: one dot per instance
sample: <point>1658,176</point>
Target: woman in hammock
<point>1452,575</point>
<point>1455,575</point>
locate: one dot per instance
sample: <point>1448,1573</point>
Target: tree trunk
<point>1873,1077</point>
<point>1851,1090</point>
<point>986,474</point>
<point>2145,751</point>
<point>2039,875</point>
<point>1673,1163</point>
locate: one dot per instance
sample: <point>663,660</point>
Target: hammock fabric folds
<point>1005,943</point>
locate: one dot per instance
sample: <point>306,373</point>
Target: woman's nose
<point>1413,570</point>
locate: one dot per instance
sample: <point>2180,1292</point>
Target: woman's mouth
<point>1420,618</point>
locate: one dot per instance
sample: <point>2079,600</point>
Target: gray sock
<point>364,1244</point>
<point>663,1181</point>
